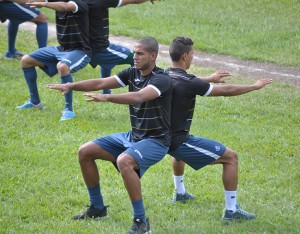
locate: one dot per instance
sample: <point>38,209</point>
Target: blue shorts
<point>112,56</point>
<point>146,152</point>
<point>51,55</point>
<point>17,12</point>
<point>198,152</point>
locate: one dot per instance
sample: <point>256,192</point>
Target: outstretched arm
<point>126,2</point>
<point>234,90</point>
<point>57,6</point>
<point>145,94</point>
<point>217,77</point>
<point>86,85</point>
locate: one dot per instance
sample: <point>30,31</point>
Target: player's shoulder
<point>178,73</point>
<point>160,71</point>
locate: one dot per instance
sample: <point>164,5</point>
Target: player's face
<point>189,58</point>
<point>142,58</point>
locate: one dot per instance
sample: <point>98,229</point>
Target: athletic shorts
<point>17,12</point>
<point>51,55</point>
<point>113,55</point>
<point>198,152</point>
<point>146,152</point>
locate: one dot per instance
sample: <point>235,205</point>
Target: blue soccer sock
<point>96,198</point>
<point>105,73</point>
<point>31,77</point>
<point>42,34</point>
<point>139,210</point>
<point>69,95</point>
<point>12,29</point>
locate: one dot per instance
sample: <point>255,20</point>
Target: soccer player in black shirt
<point>196,151</point>
<point>105,54</point>
<point>133,152</point>
<point>72,54</point>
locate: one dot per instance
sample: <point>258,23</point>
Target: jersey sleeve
<point>111,3</point>
<point>123,77</point>
<point>161,82</point>
<point>81,6</point>
<point>200,87</point>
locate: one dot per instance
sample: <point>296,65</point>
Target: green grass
<point>42,187</point>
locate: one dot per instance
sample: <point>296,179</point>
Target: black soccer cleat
<point>139,227</point>
<point>92,213</point>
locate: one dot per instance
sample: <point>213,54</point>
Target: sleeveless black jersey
<point>185,88</point>
<point>99,22</point>
<point>149,119</point>
<point>72,29</point>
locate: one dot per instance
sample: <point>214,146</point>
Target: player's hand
<point>95,97</point>
<point>37,4</point>
<point>217,76</point>
<point>61,87</point>
<point>262,83</point>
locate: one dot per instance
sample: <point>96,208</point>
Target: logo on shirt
<point>217,148</point>
<point>136,80</point>
<point>139,153</point>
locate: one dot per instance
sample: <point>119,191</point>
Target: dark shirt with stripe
<point>185,88</point>
<point>99,22</point>
<point>72,29</point>
<point>150,119</point>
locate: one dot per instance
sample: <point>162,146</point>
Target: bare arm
<point>127,2</point>
<point>19,1</point>
<point>217,77</point>
<point>57,6</point>
<point>145,94</point>
<point>234,90</point>
<point>87,85</point>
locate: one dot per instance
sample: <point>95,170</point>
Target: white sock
<point>179,184</point>
<point>230,199</point>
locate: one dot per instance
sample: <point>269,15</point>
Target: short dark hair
<point>180,46</point>
<point>150,44</point>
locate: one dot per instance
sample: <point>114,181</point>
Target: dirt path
<point>245,68</point>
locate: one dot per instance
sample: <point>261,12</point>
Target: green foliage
<point>42,187</point>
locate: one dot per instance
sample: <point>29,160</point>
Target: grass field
<point>42,188</point>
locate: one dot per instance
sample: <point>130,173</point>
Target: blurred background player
<point>106,54</point>
<point>17,13</point>
<point>72,54</point>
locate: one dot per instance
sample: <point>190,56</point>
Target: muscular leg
<point>87,154</point>
<point>229,160</point>
<point>127,166</point>
<point>178,167</point>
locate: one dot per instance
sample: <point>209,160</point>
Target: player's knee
<point>63,68</point>
<point>83,154</point>
<point>26,61</point>
<point>233,157</point>
<point>42,18</point>
<point>124,163</point>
